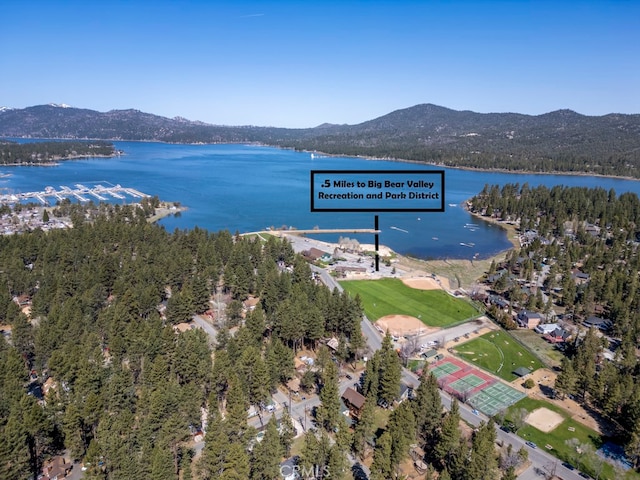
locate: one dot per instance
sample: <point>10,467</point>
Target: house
<point>597,322</point>
<point>250,304</point>
<point>499,301</point>
<point>294,385</point>
<point>527,319</point>
<point>559,335</point>
<point>333,344</point>
<point>406,392</point>
<point>314,254</point>
<point>344,269</point>
<point>183,327</point>
<point>580,278</point>
<point>56,469</point>
<point>353,400</point>
<point>546,328</point>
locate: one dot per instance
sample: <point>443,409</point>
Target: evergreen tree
<point>448,440</point>
<point>365,426</point>
<point>265,457</point>
<point>427,408</point>
<point>382,468</point>
<point>483,463</point>
<point>287,432</point>
<point>328,412</point>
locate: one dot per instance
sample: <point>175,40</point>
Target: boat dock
<point>80,193</point>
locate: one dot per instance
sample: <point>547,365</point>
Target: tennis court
<point>460,379</point>
<point>444,368</point>
<point>495,397</point>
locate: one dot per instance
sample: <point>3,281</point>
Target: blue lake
<point>246,188</point>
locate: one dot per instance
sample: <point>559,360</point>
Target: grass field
<point>390,296</point>
<point>498,353</point>
<point>557,438</point>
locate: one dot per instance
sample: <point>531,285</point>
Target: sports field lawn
<point>499,353</point>
<point>389,296</point>
<point>557,438</point>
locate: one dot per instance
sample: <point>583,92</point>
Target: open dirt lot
<point>401,325</point>
<point>544,419</point>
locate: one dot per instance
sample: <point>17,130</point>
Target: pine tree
<point>448,440</point>
<point>483,462</point>
<point>287,432</point>
<point>381,468</point>
<point>402,427</point>
<point>427,408</point>
<point>266,454</point>
<point>364,430</point>
<point>390,371</point>
<point>566,380</point>
<point>236,463</point>
<point>329,410</point>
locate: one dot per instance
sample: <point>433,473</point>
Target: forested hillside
<point>560,141</point>
<point>32,153</point>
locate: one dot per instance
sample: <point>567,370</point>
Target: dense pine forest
<point>35,153</point>
<point>585,244</point>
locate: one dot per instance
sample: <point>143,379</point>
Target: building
<point>527,319</point>
<point>597,322</point>
<point>546,328</point>
<point>353,400</point>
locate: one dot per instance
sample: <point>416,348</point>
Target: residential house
<point>559,335</point>
<point>597,322</point>
<point>250,304</point>
<point>546,328</point>
<point>56,469</point>
<point>353,400</point>
<point>527,319</point>
<point>405,392</point>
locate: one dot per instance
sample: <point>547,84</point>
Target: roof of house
<point>294,384</point>
<point>354,398</point>
<point>251,302</point>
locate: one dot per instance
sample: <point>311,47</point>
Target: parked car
<point>531,444</point>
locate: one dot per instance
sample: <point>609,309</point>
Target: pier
<point>80,193</point>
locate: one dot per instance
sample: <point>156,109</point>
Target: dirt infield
<point>403,325</point>
<point>422,283</point>
<point>544,419</point>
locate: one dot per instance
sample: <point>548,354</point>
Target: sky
<point>299,64</point>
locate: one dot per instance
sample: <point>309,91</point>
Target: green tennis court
<point>444,369</point>
<point>467,383</point>
<point>495,397</point>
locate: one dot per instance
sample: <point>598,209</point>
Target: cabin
<point>354,401</point>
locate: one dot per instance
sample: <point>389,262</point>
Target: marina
<point>80,193</point>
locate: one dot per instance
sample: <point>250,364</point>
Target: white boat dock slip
<point>79,193</point>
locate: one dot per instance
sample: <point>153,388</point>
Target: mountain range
<point>559,141</point>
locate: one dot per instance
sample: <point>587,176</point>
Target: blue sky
<point>302,63</point>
